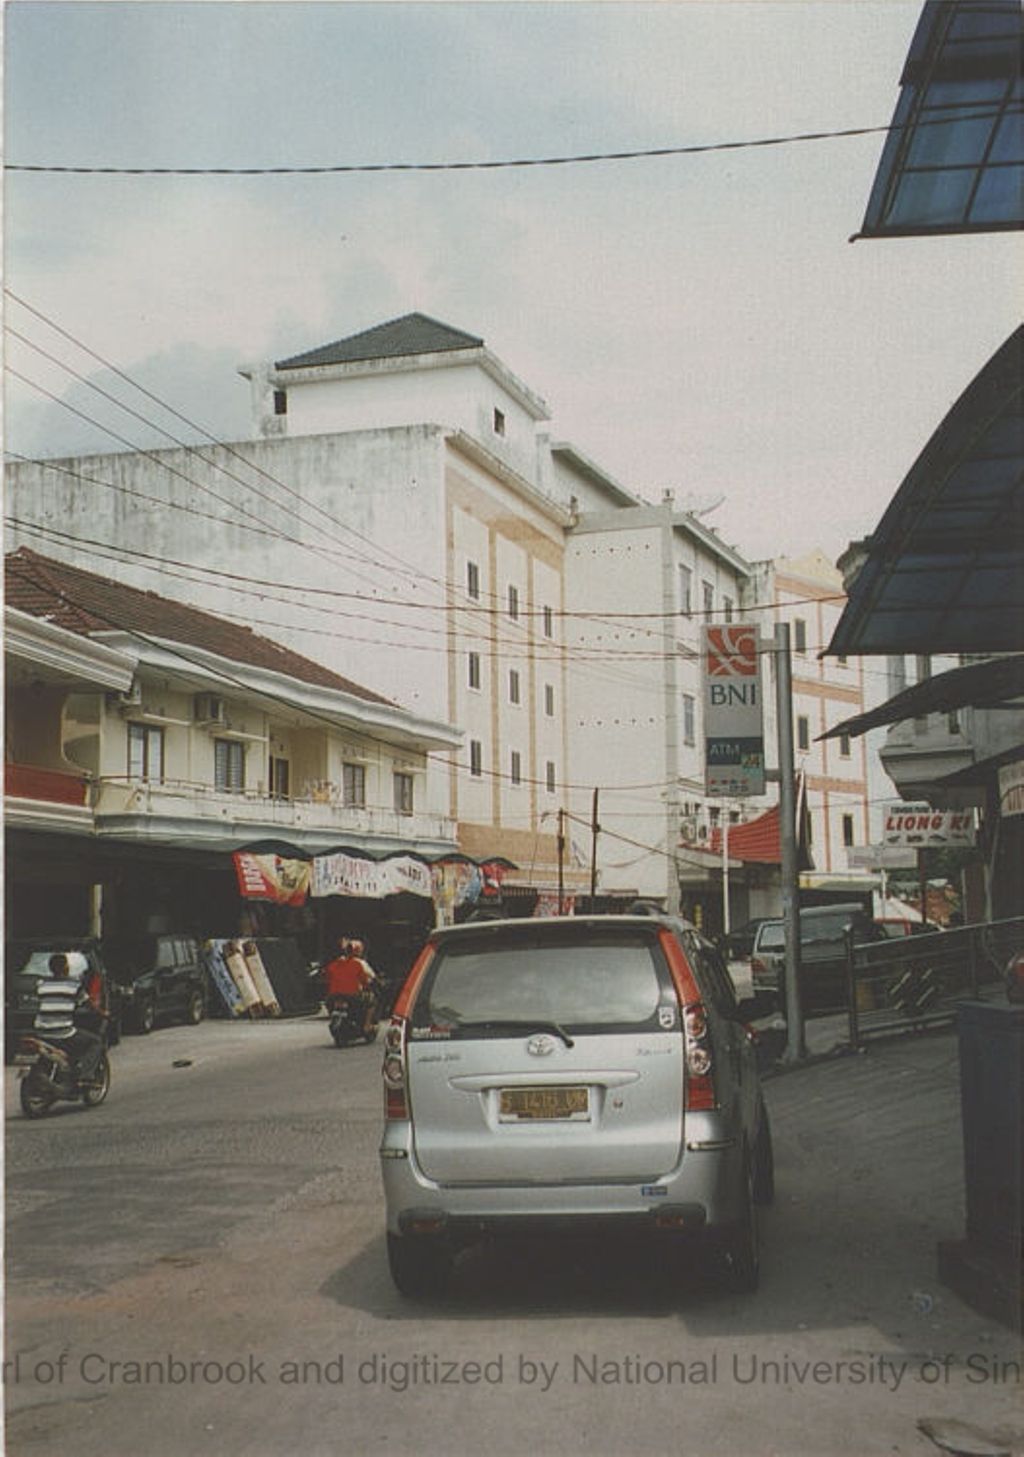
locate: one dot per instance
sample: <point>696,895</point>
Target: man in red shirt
<point>348,975</point>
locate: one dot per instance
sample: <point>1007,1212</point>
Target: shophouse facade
<point>147,742</point>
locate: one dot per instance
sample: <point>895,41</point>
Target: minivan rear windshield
<point>611,980</point>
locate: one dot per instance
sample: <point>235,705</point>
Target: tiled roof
<point>86,603</point>
<point>411,334</point>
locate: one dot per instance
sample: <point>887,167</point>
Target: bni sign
<point>733,718</point>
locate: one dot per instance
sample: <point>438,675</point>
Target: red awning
<point>756,841</point>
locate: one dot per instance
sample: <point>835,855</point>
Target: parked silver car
<point>555,1075</point>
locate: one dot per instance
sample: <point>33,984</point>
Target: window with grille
<point>229,765</point>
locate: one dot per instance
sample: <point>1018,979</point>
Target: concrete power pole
<point>796,1046</point>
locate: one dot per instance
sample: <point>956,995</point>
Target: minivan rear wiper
<point>530,1024</point>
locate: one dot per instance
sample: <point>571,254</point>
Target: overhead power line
<point>570,160</point>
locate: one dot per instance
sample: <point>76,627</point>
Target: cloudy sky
<point>699,323</point>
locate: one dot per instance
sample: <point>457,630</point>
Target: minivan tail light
<point>396,1087</point>
<point>698,1057</point>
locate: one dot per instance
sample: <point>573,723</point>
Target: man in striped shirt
<point>60,997</point>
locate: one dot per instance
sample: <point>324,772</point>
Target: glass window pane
<point>932,197</point>
<point>1009,141</point>
<point>1000,196</point>
<point>954,142</point>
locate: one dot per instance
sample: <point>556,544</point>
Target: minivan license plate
<point>543,1103</point>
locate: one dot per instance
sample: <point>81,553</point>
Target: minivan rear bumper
<point>705,1189</point>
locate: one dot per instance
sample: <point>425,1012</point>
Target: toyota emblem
<point>540,1046</point>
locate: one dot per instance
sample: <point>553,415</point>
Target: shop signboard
<point>733,711</point>
<point>923,827</point>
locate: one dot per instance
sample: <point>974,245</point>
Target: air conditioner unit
<point>208,709</point>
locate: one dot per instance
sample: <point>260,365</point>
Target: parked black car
<point>738,945</point>
<point>823,941</point>
<point>159,978</point>
<point>27,962</point>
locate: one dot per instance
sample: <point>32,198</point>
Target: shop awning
<point>989,684</point>
<point>759,842</point>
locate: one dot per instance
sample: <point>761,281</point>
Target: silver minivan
<point>555,1075</point>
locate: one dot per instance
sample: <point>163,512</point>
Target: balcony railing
<point>259,815</point>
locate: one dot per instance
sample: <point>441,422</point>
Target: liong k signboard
<point>733,714</point>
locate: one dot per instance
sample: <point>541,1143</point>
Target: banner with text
<point>733,712</point>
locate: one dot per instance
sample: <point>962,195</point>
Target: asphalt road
<point>198,1267</point>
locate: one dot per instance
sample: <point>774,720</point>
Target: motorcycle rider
<point>350,975</point>
<point>61,995</point>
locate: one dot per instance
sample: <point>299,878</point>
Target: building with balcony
<point>147,742</point>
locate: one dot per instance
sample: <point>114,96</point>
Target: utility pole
<point>796,1046</point>
<point>725,872</point>
<point>561,861</point>
<point>595,830</point>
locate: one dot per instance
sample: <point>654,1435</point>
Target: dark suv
<point>159,978</point>
<point>823,940</point>
<point>27,962</point>
<point>557,1076</point>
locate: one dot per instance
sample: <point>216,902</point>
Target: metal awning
<point>989,684</point>
<point>944,570</point>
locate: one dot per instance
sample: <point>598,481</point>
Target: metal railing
<point>911,983</point>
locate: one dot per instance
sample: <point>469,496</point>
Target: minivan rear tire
<point>419,1264</point>
<point>764,1160</point>
<point>741,1246</point>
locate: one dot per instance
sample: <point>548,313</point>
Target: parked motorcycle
<point>52,1078</point>
<point>346,1020</point>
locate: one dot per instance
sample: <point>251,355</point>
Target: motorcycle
<point>52,1078</point>
<point>347,1022</point>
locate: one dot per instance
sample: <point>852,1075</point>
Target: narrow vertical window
<point>707,599</point>
<point>499,422</point>
<point>516,767</point>
<point>513,602</point>
<point>145,752</point>
<point>474,670</point>
<point>229,765</point>
<point>689,719</point>
<point>403,790</point>
<point>549,773</point>
<point>685,591</point>
<point>476,758</point>
<point>353,785</point>
<point>847,831</point>
<point>278,776</point>
<point>280,402</point>
<point>549,622</point>
<point>549,700</point>
<point>473,580</point>
<point>803,732</point>
<point>513,685</point>
<point>800,635</point>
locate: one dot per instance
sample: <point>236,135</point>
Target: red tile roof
<point>88,604</point>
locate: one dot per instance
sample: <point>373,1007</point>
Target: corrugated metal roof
<point>945,567</point>
<point>411,334</point>
<point>87,604</point>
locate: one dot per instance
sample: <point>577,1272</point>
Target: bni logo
<point>732,652</point>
